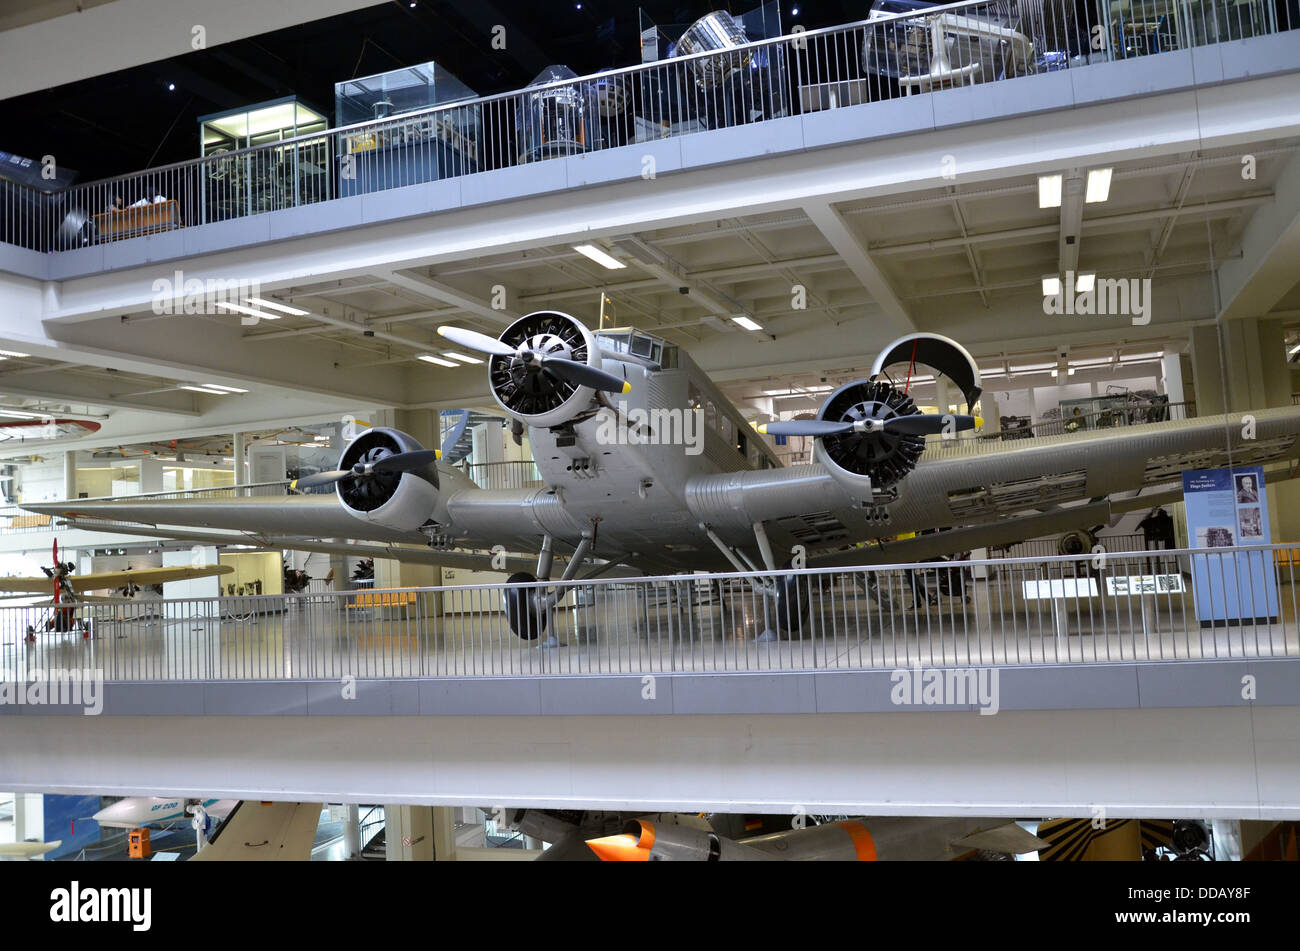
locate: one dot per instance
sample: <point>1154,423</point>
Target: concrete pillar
<point>352,831</point>
<point>1171,379</point>
<point>241,475</point>
<point>423,424</point>
<point>444,834</point>
<point>942,396</point>
<point>151,475</point>
<point>70,474</point>
<point>1240,365</point>
<point>408,833</point>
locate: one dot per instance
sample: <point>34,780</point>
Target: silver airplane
<point>631,486</point>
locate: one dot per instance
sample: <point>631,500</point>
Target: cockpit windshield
<point>642,346</point>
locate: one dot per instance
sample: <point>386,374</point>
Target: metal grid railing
<point>1195,605</point>
<point>873,60</point>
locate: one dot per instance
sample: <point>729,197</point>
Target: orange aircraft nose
<point>619,848</point>
<point>628,846</point>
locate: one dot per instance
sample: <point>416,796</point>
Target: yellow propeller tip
<point>627,387</point>
<point>437,454</point>
<point>979,422</point>
<point>440,331</point>
<point>763,428</point>
<point>293,484</point>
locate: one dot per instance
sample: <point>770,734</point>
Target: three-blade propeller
<point>571,371</point>
<point>397,462</point>
<point>917,424</point>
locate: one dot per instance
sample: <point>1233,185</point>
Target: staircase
<point>458,425</point>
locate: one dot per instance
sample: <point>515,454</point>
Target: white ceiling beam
<point>830,222</point>
<point>1270,244</point>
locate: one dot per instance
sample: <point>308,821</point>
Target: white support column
<point>352,831</point>
<point>408,833</point>
<point>241,475</point>
<point>70,474</point>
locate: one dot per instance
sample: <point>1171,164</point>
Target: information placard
<point>1227,509</point>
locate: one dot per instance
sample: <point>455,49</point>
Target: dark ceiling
<point>129,120</point>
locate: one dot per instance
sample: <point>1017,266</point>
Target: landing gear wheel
<point>791,604</point>
<point>521,607</point>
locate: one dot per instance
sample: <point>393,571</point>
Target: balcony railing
<point>883,58</point>
<point>1186,605</point>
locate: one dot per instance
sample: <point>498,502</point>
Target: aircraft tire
<point>793,596</point>
<point>521,611</point>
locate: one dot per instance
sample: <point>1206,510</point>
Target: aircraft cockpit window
<point>642,347</point>
<point>616,342</point>
<point>669,359</point>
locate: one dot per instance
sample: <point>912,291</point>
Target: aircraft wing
<point>264,832</point>
<point>146,576</point>
<point>977,482</point>
<point>27,585</point>
<point>27,850</point>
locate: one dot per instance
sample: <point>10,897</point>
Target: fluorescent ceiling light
<point>275,305</point>
<point>747,322</point>
<point>203,389</point>
<point>12,353</point>
<point>599,256</point>
<point>1083,283</point>
<point>438,360</point>
<point>1033,368</point>
<point>1051,286</point>
<point>224,389</point>
<point>241,309</point>
<point>1049,191</point>
<point>22,415</point>
<point>462,357</point>
<point>1098,185</point>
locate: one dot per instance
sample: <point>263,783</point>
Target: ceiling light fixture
<point>599,256</point>
<point>462,357</point>
<point>241,309</point>
<point>747,322</point>
<point>276,305</point>
<point>5,354</point>
<point>1098,185</point>
<point>1049,191</point>
<point>224,389</point>
<point>429,358</point>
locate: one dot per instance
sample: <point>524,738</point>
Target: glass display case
<point>269,178</point>
<point>398,152</point>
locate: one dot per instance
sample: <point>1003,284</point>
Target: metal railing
<point>1134,413</point>
<point>1181,605</point>
<point>513,474</point>
<point>872,60</point>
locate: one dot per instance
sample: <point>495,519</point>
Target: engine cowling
<point>860,462</point>
<point>530,393</point>
<point>402,501</point>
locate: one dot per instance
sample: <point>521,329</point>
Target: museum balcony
<point>896,74</point>
<point>979,666</point>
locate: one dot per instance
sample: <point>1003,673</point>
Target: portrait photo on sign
<point>1249,522</point>
<point>1247,488</point>
<point>1218,536</point>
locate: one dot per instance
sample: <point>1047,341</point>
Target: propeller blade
<point>805,427</point>
<point>927,424</point>
<point>579,373</point>
<point>473,340</point>
<point>406,461</point>
<point>320,478</point>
